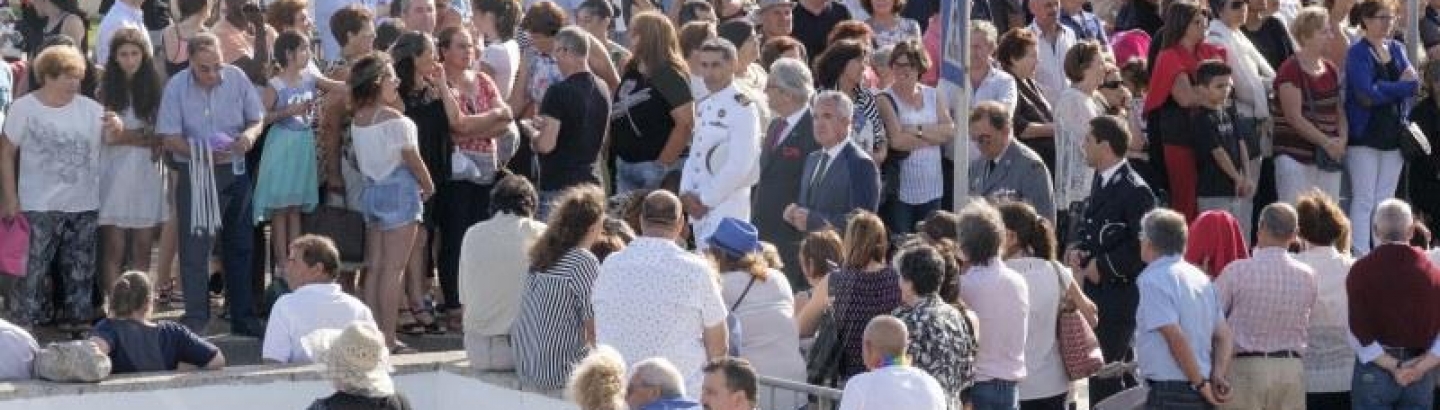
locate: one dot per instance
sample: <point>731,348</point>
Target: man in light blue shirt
<point>1182,342</point>
<point>206,100</point>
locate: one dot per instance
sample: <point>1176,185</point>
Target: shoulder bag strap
<point>743,294</point>
<point>1065,302</point>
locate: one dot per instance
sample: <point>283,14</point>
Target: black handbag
<point>342,225</point>
<point>826,359</point>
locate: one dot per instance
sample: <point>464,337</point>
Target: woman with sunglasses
<point>1379,80</point>
<point>925,127</point>
<point>1172,97</point>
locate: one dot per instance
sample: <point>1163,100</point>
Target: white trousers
<point>1293,178</point>
<point>1374,175</point>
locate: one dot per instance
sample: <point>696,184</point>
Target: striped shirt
<point>548,335</point>
<point>1267,301</point>
<point>1320,98</point>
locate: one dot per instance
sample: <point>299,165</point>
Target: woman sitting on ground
<point>136,344</point>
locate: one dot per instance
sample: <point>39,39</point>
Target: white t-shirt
<point>378,146</point>
<point>504,58</point>
<point>59,153</point>
<point>302,312</point>
<point>17,352</point>
<point>1044,371</point>
<point>654,299</point>
<point>893,387</point>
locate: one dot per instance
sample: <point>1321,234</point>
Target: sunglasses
<point>1112,85</point>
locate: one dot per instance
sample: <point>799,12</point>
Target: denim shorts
<point>393,201</point>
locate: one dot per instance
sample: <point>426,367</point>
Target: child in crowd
<point>1222,173</point>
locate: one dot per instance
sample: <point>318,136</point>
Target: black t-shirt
<point>812,29</point>
<point>1215,128</point>
<point>432,125</point>
<point>642,121</point>
<point>347,401</point>
<point>582,106</point>
<point>1272,40</point>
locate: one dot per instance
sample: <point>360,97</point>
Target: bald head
<point>885,337</point>
<point>660,214</point>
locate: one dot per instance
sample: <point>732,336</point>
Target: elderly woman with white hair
<point>598,382</point>
<point>357,364</point>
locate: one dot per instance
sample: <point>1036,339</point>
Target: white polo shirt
<point>300,313</point>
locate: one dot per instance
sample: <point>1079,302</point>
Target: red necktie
<point>772,138</point>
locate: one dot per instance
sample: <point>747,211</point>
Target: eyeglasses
<point>1112,84</point>
<point>902,64</point>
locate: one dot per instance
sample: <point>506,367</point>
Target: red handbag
<point>1079,348</point>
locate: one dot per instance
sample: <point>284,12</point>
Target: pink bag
<point>14,245</point>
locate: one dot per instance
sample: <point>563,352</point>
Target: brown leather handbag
<point>1079,348</point>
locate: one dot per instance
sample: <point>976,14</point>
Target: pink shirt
<point>1001,302</point>
<point>1267,300</point>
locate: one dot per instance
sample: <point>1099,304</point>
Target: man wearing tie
<point>788,141</point>
<point>1105,254</point>
<point>840,177</point>
<point>1006,169</point>
<point>716,180</point>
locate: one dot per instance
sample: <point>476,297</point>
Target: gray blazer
<point>851,182</point>
<point>1020,175</point>
<point>779,185</point>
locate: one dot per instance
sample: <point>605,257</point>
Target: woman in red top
<point>1172,97</point>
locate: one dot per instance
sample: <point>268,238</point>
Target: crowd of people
<point>653,205</point>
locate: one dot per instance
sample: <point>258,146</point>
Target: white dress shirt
<point>493,265</point>
<point>1050,68</point>
<point>301,313</point>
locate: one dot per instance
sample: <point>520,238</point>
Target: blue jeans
<point>1375,388</point>
<point>630,176</point>
<point>1174,395</point>
<point>236,238</point>
<point>903,216</point>
<point>995,395</point>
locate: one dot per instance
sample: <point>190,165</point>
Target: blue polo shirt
<point>192,111</point>
<point>1173,291</point>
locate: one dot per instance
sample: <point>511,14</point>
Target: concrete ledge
<point>452,362</point>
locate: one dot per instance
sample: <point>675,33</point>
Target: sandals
<point>422,322</point>
<point>402,348</point>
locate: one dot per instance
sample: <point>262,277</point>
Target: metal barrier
<point>780,394</point>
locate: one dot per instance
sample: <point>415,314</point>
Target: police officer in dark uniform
<point>1105,250</point>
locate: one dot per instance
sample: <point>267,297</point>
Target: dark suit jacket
<point>1110,226</point>
<point>1020,175</point>
<point>779,185</point>
<point>850,182</point>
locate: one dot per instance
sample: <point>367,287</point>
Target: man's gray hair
<point>205,41</point>
<point>659,373</point>
<point>1165,230</point>
<point>575,39</point>
<point>793,78</point>
<point>1280,220</point>
<point>1393,221</point>
<point>842,102</point>
<point>720,45</point>
<point>982,232</point>
<point>986,30</point>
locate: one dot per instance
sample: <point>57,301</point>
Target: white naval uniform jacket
<point>724,159</point>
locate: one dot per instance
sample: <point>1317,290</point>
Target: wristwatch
<point>1200,386</point>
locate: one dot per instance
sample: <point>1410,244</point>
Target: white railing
<point>780,394</point>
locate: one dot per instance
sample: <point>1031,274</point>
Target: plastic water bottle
<point>237,165</point>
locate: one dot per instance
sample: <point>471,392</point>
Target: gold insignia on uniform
<point>722,113</point>
<point>742,99</point>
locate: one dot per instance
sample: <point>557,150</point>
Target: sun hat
<point>735,238</point>
<point>356,360</point>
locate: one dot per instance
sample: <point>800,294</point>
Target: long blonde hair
<point>657,47</point>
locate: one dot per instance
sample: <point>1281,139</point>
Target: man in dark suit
<point>1004,168</point>
<point>1106,252</point>
<point>788,140</point>
<point>840,177</point>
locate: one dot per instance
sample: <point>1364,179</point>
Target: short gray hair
<point>575,39</point>
<point>1393,221</point>
<point>1165,230</point>
<point>986,29</point>
<point>719,45</point>
<point>658,372</point>
<point>1279,219</point>
<point>792,77</point>
<point>204,41</point>
<point>842,102</point>
<point>982,232</point>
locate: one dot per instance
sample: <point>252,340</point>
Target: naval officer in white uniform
<point>724,157</point>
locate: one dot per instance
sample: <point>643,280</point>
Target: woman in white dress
<point>132,196</point>
<point>1085,67</point>
<point>1031,252</point>
<point>760,298</point>
<point>1329,361</point>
